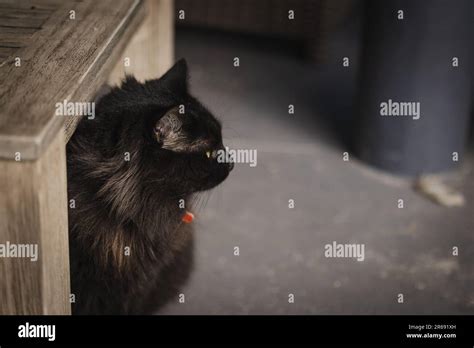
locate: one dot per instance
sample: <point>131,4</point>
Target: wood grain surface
<point>150,52</point>
<point>63,58</point>
<point>33,201</point>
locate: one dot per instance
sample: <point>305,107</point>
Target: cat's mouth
<point>209,168</point>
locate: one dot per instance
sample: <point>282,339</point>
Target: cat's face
<point>187,144</point>
<point>179,138</point>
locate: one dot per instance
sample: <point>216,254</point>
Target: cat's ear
<point>129,83</point>
<point>176,79</point>
<point>168,129</point>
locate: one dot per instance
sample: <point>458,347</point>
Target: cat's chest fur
<point>115,266</point>
<point>117,252</point>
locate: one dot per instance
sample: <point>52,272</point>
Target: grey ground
<point>408,250</point>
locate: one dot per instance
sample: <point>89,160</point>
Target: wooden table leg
<point>150,52</point>
<point>33,210</point>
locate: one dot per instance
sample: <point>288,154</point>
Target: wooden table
<point>51,51</point>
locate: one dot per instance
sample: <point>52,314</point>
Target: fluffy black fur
<point>126,231</point>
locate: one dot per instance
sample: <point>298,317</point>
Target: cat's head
<point>173,136</point>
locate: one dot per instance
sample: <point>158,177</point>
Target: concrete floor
<point>407,251</point>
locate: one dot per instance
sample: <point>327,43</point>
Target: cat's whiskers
<point>201,201</point>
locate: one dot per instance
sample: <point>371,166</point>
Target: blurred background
<point>345,167</point>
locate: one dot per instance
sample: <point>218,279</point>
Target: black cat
<point>132,171</point>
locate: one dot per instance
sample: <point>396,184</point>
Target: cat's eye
<point>208,154</point>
